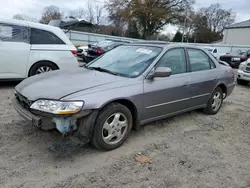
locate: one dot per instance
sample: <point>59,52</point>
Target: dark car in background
<point>236,57</point>
<point>97,49</point>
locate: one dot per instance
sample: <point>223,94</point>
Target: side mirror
<point>160,72</point>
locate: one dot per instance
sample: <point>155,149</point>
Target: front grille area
<point>226,59</point>
<point>248,69</point>
<point>248,64</point>
<point>23,101</point>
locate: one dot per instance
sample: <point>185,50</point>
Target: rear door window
<point>39,36</point>
<point>199,60</point>
<point>14,33</point>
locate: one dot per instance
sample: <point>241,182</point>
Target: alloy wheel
<point>115,128</point>
<point>216,103</point>
<point>43,69</point>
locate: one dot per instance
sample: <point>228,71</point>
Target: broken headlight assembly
<point>57,107</point>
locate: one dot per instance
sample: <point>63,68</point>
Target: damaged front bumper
<point>81,124</point>
<point>36,120</point>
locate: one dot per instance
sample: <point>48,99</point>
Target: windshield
<point>128,61</point>
<point>238,52</point>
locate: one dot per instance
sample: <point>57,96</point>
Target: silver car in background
<point>127,87</point>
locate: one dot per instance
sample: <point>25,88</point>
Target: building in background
<point>237,34</point>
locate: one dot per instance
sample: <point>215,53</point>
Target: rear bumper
<point>36,120</point>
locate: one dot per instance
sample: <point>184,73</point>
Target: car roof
<point>27,23</point>
<point>166,45</point>
<point>154,42</point>
<point>116,41</point>
<point>53,29</point>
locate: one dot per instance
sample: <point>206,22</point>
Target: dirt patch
<point>189,150</point>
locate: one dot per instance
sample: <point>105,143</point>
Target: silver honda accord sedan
<point>127,87</point>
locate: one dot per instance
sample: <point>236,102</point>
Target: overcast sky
<point>33,8</point>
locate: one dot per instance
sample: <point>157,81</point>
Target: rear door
<point>14,50</point>
<point>203,76</point>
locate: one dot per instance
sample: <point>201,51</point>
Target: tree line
<point>146,19</point>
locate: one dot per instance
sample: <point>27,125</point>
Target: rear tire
<point>215,102</point>
<point>242,82</point>
<point>42,67</point>
<point>112,128</point>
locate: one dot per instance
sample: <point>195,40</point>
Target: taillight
<point>99,51</point>
<point>74,52</point>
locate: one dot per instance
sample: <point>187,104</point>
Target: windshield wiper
<point>103,70</point>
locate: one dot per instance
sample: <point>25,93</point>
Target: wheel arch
<point>223,88</point>
<point>41,61</point>
<point>130,105</point>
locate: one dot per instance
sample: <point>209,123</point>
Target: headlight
<point>57,107</point>
<point>241,67</point>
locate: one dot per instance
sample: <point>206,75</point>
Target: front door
<point>14,51</point>
<point>168,95</point>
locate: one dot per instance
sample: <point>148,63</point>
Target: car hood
<point>58,84</point>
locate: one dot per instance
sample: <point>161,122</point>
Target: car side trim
<point>162,104</point>
<point>166,103</point>
<point>171,114</point>
<point>198,96</point>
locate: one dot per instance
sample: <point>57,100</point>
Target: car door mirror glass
<point>160,72</point>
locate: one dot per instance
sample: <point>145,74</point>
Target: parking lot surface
<point>189,150</point>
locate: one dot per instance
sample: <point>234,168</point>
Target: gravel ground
<point>189,150</point>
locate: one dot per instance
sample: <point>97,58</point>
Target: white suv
<point>28,48</point>
<point>243,75</point>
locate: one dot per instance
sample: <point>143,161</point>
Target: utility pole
<point>185,23</point>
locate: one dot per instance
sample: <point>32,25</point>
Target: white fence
<point>223,48</point>
<point>83,38</point>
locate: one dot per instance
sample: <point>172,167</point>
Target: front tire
<point>42,67</point>
<point>242,82</point>
<point>215,102</point>
<point>112,127</point>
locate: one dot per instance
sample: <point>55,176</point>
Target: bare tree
<point>151,15</point>
<point>50,13</point>
<point>18,17</point>
<point>118,15</point>
<point>217,18</point>
<point>92,13</point>
<point>24,17</point>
